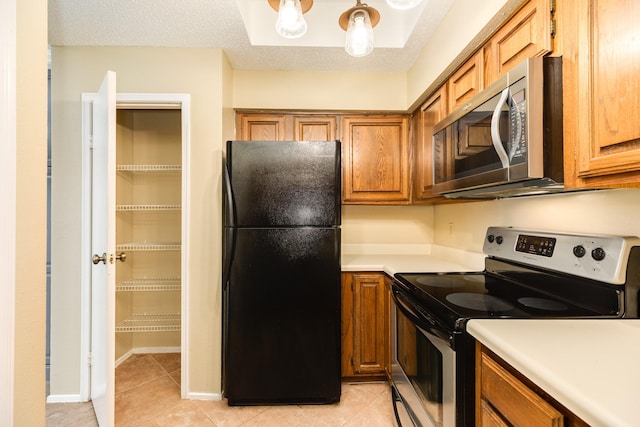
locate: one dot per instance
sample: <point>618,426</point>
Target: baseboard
<point>122,358</point>
<point>204,396</point>
<point>146,350</point>
<point>150,350</point>
<point>64,398</point>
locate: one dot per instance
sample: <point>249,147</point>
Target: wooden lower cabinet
<point>504,397</point>
<point>365,326</point>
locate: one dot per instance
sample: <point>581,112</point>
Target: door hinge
<point>89,360</point>
<point>90,142</point>
<point>552,7</point>
<point>353,363</point>
<point>553,28</point>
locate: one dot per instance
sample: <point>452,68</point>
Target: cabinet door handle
<point>122,257</point>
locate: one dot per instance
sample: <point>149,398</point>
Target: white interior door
<point>103,250</point>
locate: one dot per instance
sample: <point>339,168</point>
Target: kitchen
<point>216,90</point>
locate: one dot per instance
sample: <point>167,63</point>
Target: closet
<point>148,230</point>
<point>135,181</point>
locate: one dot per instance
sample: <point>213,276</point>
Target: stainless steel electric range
<point>528,274</point>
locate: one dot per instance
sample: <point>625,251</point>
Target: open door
<point>103,249</point>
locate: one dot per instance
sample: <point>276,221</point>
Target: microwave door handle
<point>495,130</point>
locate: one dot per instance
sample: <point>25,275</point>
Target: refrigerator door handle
<point>229,207</point>
<point>228,251</point>
<point>229,236</point>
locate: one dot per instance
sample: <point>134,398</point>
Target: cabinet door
<point>365,329</point>
<point>466,82</point>
<point>375,159</point>
<point>431,113</point>
<point>601,102</point>
<point>489,417</point>
<point>528,33</point>
<point>261,127</point>
<point>314,128</point>
<point>513,400</point>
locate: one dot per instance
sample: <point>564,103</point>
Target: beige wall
<point>607,211</point>
<point>205,75</point>
<point>31,207</point>
<point>319,90</point>
<point>387,224</point>
<point>462,23</point>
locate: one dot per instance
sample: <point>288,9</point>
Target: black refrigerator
<point>281,272</point>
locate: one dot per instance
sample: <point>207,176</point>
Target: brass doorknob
<point>122,257</point>
<point>97,258</point>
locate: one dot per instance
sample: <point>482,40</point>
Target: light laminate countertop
<point>409,259</point>
<point>591,366</point>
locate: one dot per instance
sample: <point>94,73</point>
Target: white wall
<point>605,211</point>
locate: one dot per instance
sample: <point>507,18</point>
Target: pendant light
<point>358,22</point>
<point>290,23</point>
<point>403,4</point>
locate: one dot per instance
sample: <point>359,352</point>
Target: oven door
<point>422,369</point>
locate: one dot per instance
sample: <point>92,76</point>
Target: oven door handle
<point>424,320</point>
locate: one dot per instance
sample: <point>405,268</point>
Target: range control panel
<point>597,257</point>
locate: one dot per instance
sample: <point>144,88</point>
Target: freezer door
<point>283,183</point>
<point>282,317</point>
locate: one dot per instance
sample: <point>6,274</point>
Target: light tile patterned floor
<point>148,394</point>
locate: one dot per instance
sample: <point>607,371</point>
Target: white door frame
<point>133,100</point>
<point>8,136</point>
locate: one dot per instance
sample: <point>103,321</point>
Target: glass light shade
<point>359,41</point>
<point>290,23</point>
<point>403,4</point>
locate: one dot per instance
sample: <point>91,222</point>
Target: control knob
<point>499,240</point>
<point>579,251</point>
<point>490,238</point>
<point>598,254</point>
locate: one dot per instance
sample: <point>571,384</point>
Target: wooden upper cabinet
<point>314,128</point>
<point>601,65</point>
<point>466,82</point>
<point>261,127</point>
<point>432,111</point>
<point>528,33</point>
<point>286,127</point>
<point>375,159</point>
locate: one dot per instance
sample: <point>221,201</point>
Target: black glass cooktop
<point>456,297</point>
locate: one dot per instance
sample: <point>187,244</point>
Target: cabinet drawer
<point>517,403</point>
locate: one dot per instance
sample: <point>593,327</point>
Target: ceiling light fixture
<point>403,4</point>
<point>290,23</point>
<point>358,22</point>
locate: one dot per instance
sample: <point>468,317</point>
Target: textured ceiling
<point>244,29</point>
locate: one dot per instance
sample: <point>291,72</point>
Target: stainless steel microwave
<point>507,140</point>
